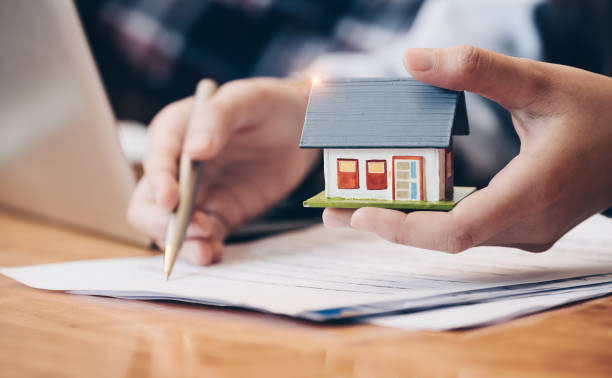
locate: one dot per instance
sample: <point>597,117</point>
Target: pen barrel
<point>188,180</point>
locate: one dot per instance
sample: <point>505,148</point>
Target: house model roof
<point>382,113</point>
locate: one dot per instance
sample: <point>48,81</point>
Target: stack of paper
<point>321,274</point>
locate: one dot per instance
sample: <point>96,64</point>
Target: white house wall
<point>431,171</point>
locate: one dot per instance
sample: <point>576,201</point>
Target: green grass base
<point>460,192</point>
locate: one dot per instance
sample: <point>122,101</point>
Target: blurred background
<point>153,52</point>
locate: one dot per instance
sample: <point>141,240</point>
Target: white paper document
<point>491,312</point>
<point>322,274</point>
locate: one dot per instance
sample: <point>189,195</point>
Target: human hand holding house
<point>561,176</point>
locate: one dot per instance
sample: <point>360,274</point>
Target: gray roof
<point>393,113</point>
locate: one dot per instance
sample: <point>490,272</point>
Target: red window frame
<point>376,181</point>
<point>348,180</point>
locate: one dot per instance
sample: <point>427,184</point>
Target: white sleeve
<point>505,26</point>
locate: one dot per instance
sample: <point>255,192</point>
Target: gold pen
<point>188,180</point>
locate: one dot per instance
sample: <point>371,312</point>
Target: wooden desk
<point>49,334</point>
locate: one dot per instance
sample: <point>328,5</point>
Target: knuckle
<point>471,60</point>
<point>220,109</point>
<point>538,87</point>
<point>402,233</point>
<point>540,79</point>
<point>400,238</point>
<point>260,90</point>
<point>459,240</point>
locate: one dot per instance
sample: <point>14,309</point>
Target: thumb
<point>514,83</point>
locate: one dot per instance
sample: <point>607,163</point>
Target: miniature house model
<point>384,141</point>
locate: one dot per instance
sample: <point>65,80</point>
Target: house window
<point>376,174</point>
<point>408,178</point>
<point>348,174</point>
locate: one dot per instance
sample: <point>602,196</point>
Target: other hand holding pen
<point>247,137</point>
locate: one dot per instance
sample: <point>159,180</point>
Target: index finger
<point>166,135</point>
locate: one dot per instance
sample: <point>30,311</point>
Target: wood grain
<point>51,334</point>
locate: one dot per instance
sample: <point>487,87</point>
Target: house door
<point>408,178</point>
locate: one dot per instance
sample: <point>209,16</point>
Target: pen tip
<point>169,258</point>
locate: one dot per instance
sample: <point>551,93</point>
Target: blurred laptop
<point>60,156</point>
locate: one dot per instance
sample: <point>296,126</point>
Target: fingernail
<point>198,141</point>
<point>419,59</point>
<point>332,221</point>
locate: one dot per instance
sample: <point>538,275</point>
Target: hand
<point>247,135</point>
<point>562,175</point>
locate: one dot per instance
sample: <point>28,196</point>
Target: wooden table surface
<point>52,334</point>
